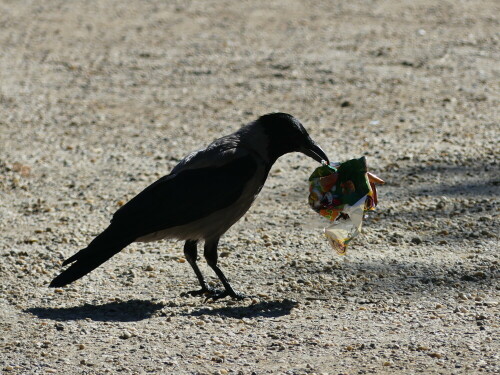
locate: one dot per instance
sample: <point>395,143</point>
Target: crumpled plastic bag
<point>342,192</point>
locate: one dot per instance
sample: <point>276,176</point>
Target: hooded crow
<point>231,171</point>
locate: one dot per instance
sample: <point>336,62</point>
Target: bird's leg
<point>191,253</point>
<point>210,253</point>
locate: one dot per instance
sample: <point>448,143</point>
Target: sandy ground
<point>100,98</point>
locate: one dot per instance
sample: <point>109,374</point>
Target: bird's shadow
<point>135,310</point>
<point>124,311</point>
<point>265,309</point>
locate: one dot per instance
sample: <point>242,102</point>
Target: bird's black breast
<point>189,195</point>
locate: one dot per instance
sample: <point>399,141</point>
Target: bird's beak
<point>314,151</point>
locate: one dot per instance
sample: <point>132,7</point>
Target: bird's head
<point>286,134</point>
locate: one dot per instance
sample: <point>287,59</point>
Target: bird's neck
<point>256,141</point>
<point>269,147</point>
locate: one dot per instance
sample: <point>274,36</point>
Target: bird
<point>200,199</point>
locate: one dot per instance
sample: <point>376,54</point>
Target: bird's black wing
<point>186,196</point>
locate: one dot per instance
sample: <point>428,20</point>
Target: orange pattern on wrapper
<point>348,187</point>
<point>330,214</point>
<point>373,193</point>
<point>328,182</point>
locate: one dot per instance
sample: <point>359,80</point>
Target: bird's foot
<point>214,294</point>
<point>224,293</point>
<point>205,291</point>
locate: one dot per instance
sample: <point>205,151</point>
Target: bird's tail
<point>103,247</point>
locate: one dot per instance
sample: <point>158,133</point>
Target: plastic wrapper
<point>342,192</point>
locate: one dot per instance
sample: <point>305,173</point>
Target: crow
<point>201,198</point>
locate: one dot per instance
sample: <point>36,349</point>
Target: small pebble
<point>125,335</point>
<point>416,240</point>
<point>436,355</point>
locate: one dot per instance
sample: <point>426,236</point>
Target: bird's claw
<point>213,294</point>
<point>224,293</point>
<point>205,291</point>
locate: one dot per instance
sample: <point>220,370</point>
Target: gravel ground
<point>100,98</point>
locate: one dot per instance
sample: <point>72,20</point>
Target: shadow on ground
<point>126,311</point>
<point>414,277</point>
<point>136,310</point>
<point>473,178</point>
<point>266,309</point>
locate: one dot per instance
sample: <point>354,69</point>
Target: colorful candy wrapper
<point>342,192</point>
